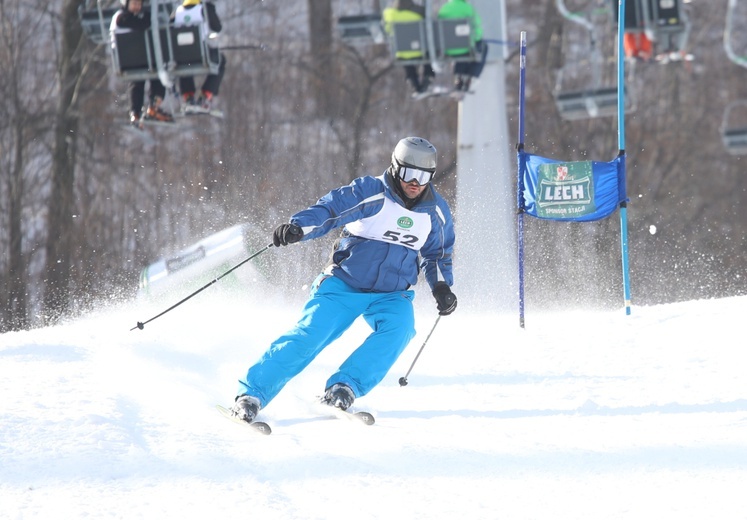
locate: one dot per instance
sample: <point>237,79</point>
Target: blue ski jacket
<point>383,245</point>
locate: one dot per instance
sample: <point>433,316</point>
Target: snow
<point>583,414</point>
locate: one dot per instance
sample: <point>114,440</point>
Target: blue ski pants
<point>331,309</point>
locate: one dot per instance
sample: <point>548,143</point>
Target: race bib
<point>394,224</point>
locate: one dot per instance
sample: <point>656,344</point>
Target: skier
<point>393,226</point>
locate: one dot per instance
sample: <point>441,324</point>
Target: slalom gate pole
<point>141,324</point>
<point>403,379</point>
<point>520,174</point>
<point>621,153</point>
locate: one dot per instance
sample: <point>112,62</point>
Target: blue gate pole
<point>621,152</point>
<point>520,179</point>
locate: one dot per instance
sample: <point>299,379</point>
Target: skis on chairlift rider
<point>671,57</point>
<point>141,129</point>
<point>193,110</point>
<point>439,91</point>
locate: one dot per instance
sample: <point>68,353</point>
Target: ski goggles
<point>409,174</point>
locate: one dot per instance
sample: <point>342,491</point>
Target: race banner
<point>579,191</point>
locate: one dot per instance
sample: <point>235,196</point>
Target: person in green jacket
<point>464,71</point>
<point>408,11</point>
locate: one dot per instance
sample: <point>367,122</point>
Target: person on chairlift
<point>409,11</point>
<point>134,17</point>
<point>466,71</point>
<point>189,13</point>
<point>638,46</point>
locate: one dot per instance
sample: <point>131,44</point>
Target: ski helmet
<point>414,154</point>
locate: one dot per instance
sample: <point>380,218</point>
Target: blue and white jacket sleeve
<point>359,199</point>
<point>436,254</point>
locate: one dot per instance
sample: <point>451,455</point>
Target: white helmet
<point>414,153</point>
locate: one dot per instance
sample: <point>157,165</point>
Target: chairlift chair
<point>452,41</point>
<point>95,22</point>
<point>363,27</point>
<point>664,22</point>
<point>587,104</point>
<point>733,136</point>
<point>137,56</point>
<point>595,99</point>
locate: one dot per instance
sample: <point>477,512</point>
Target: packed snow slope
<point>582,414</point>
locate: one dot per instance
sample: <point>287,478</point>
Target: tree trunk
<point>60,240</point>
<point>320,40</point>
<point>16,299</point>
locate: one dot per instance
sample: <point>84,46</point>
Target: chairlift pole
<point>596,57</point>
<point>163,74</point>
<point>430,39</point>
<point>574,17</point>
<point>104,30</point>
<point>645,9</point>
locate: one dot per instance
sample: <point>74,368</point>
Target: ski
<point>137,131</point>
<point>142,130</point>
<point>256,426</point>
<point>359,417</point>
<point>162,124</point>
<point>459,95</point>
<point>191,110</point>
<point>436,91</point>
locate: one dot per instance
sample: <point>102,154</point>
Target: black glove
<point>286,234</point>
<point>446,301</point>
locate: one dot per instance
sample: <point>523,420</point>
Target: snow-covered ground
<point>581,415</point>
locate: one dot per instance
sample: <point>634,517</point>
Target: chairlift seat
<point>183,52</point>
<point>191,56</point>
<point>409,38</point>
<point>663,18</point>
<point>134,55</point>
<point>585,104</point>
<point>364,28</point>
<point>735,140</point>
<point>452,40</point>
<point>455,38</point>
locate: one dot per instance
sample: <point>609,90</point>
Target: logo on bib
<point>405,222</point>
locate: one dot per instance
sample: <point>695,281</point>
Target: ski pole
<point>141,324</point>
<point>403,379</point>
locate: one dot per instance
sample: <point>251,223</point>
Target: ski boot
<point>339,395</point>
<point>246,408</point>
